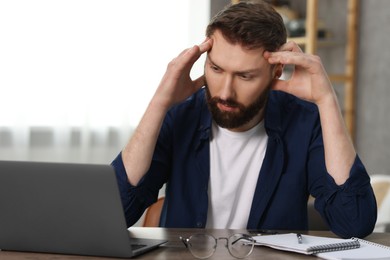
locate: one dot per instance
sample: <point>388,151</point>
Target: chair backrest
<point>153,213</point>
<point>315,220</point>
<point>381,186</point>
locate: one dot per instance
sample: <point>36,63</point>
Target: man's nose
<point>227,88</point>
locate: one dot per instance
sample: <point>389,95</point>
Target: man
<point>247,149</point>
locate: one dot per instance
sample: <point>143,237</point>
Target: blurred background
<point>77,75</point>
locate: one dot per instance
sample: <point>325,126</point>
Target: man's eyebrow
<point>248,71</point>
<point>237,72</point>
<point>211,60</point>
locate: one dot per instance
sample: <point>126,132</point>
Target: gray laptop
<point>64,208</point>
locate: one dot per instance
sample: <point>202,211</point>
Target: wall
<point>373,106</point>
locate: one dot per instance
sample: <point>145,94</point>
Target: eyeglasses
<point>203,246</point>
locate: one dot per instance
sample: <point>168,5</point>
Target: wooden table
<point>175,249</point>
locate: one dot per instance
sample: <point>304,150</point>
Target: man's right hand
<point>176,84</point>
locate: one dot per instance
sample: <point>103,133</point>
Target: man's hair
<point>252,24</point>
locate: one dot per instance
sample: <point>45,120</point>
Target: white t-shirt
<point>235,162</point>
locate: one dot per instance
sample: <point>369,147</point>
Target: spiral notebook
<point>308,245</point>
<point>326,247</point>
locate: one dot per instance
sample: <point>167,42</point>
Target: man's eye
<point>245,76</point>
<point>215,68</point>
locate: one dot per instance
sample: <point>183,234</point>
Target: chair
<point>153,213</point>
<point>315,220</point>
<point>381,186</point>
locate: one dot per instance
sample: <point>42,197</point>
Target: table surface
<point>175,249</point>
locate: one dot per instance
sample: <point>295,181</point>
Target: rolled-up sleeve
<point>135,199</point>
<point>349,209</point>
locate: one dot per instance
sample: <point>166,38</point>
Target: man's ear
<point>278,70</point>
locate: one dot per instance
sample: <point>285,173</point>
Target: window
<point>76,75</point>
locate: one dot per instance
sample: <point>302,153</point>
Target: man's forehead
<point>224,53</point>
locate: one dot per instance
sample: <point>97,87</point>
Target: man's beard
<point>232,120</point>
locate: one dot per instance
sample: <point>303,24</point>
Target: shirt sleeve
<point>135,199</point>
<point>350,209</point>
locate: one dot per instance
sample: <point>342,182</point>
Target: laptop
<point>64,208</point>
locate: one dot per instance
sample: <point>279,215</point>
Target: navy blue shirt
<point>293,168</point>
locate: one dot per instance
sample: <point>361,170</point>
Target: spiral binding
<point>334,247</point>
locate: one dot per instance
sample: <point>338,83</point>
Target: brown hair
<point>251,24</point>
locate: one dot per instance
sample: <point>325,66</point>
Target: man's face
<point>237,84</point>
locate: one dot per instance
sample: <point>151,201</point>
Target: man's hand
<point>176,85</point>
<point>309,80</point>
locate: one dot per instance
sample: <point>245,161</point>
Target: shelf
<point>310,42</point>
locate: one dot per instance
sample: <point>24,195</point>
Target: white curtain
<point>77,75</point>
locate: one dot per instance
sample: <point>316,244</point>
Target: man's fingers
<point>290,46</point>
<point>191,55</point>
<point>289,53</point>
<point>196,51</point>
<point>186,59</point>
<point>206,45</point>
<point>308,62</point>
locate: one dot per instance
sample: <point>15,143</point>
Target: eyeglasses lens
<point>202,246</point>
<point>240,246</point>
